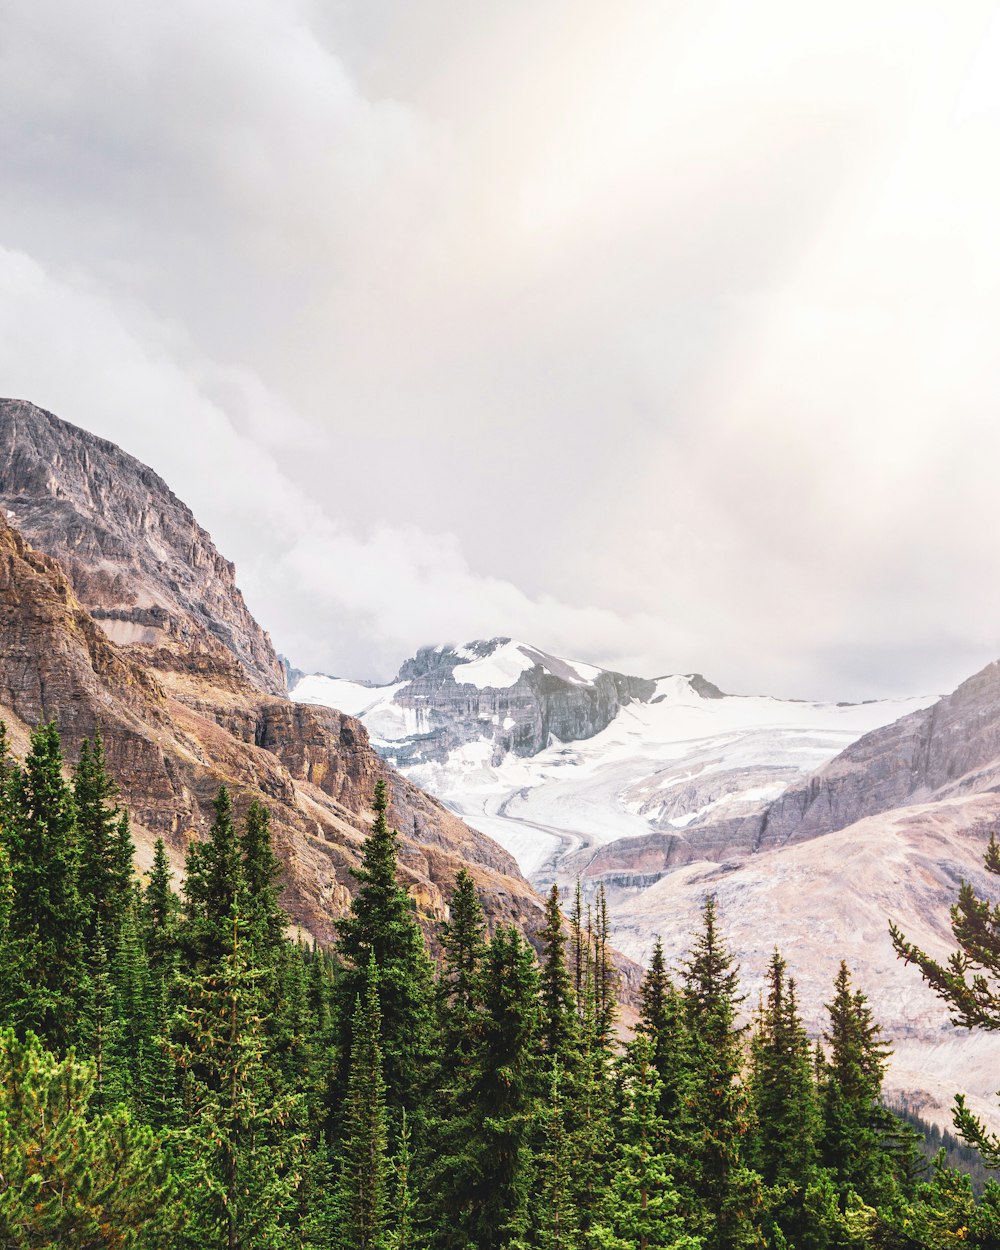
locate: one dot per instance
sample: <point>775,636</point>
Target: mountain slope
<point>178,723</point>
<point>550,756</point>
<point>134,554</point>
<point>947,749</point>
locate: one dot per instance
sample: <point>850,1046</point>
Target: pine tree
<point>969,982</point>
<point>382,925</point>
<point>402,1221</point>
<point>554,1216</point>
<point>645,1210</point>
<point>69,1177</point>
<point>105,872</point>
<point>362,1186</point>
<point>727,1188</point>
<point>854,1121</point>
<point>132,1047</point>
<point>214,885</point>
<point>262,876</point>
<point>242,1164</point>
<point>455,1171</point>
<point>559,1020</point>
<point>506,1094</point>
<point>786,1115</point>
<point>47,980</point>
<point>663,1019</point>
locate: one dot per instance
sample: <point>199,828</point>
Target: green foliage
<point>68,1177</point>
<point>382,926</point>
<point>237,1090</point>
<point>47,969</point>
<point>363,1182</point>
<point>969,982</point>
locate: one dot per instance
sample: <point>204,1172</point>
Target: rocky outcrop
<point>505,692</point>
<point>314,768</point>
<point>135,555</point>
<point>944,751</point>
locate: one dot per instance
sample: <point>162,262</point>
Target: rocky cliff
<point>944,751</point>
<point>134,554</point>
<point>194,703</point>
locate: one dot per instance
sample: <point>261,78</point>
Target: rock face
<point>134,554</point>
<point>194,704</point>
<point>517,696</point>
<point>946,750</point>
<point>830,898</point>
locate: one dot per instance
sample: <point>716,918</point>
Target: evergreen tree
<point>242,1170</point>
<point>70,1178</point>
<point>506,1094</point>
<point>382,925</point>
<point>402,1235</point>
<point>728,1190</point>
<point>559,1020</point>
<point>362,1187</point>
<point>854,1120</point>
<point>644,1211</point>
<point>105,870</point>
<point>663,1019</point>
<point>214,885</point>
<point>969,982</point>
<point>785,1109</point>
<point>47,979</point>
<point>262,875</point>
<point>555,1218</point>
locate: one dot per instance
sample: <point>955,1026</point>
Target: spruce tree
<point>727,1188</point>
<point>262,876</point>
<point>663,1019</point>
<point>47,981</point>
<point>644,1211</point>
<point>214,885</point>
<point>786,1116</point>
<point>242,1166</point>
<point>382,925</point>
<point>105,872</point>
<point>854,1120</point>
<point>560,1032</point>
<point>506,1096</point>
<point>362,1186</point>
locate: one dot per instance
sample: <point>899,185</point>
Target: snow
<point>591,791</point>
<point>498,671</point>
<point>501,668</point>
<point>668,763</point>
<point>346,696</point>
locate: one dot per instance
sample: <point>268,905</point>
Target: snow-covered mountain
<point>549,755</point>
<point>813,823</point>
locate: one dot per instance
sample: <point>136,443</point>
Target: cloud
<point>354,601</point>
<point>658,335</point>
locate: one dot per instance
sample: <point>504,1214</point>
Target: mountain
<point>500,691</point>
<point>813,824</point>
<point>553,757</point>
<point>144,633</point>
<point>134,554</point>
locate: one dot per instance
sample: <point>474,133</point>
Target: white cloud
<point>659,335</point>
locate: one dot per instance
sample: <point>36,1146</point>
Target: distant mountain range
<point>812,823</point>
<point>551,756</point>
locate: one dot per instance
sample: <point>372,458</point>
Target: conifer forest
<point>180,1074</point>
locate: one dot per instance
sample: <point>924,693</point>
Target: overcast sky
<point>663,335</point>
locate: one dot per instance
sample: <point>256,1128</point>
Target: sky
<point>661,335</point>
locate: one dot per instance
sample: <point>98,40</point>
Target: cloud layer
<point>662,336</point>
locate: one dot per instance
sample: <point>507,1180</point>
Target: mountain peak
<point>134,553</point>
